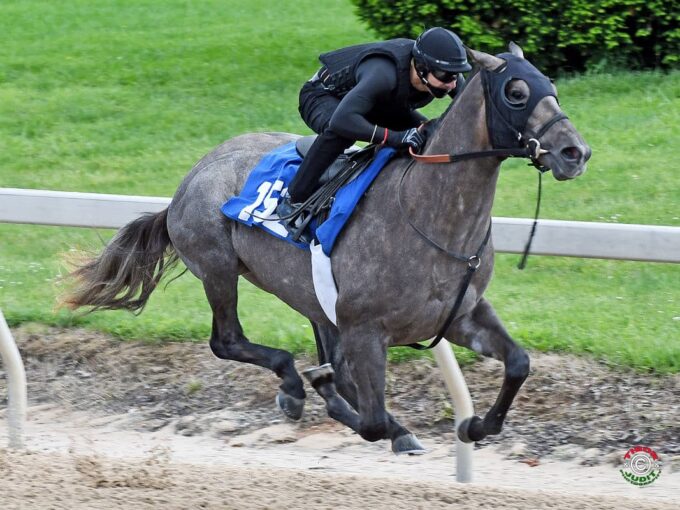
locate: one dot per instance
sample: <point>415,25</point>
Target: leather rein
<point>532,150</point>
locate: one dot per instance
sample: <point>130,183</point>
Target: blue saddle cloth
<point>268,181</point>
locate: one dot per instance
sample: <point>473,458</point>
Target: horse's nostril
<point>571,153</point>
<point>588,153</point>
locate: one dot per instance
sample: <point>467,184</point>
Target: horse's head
<point>522,105</point>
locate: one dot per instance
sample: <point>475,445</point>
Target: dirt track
<point>59,481</point>
<point>131,425</point>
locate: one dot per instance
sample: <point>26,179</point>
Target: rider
<point>370,92</point>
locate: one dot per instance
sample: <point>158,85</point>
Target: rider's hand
<point>411,138</point>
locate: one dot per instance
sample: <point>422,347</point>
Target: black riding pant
<point>316,108</point>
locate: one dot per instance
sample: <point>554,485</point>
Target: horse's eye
<point>516,93</point>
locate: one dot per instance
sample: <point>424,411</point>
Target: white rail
<point>566,238</point>
<point>649,243</point>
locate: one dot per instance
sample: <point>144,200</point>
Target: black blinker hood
<point>506,122</point>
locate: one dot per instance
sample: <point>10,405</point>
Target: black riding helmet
<point>440,52</point>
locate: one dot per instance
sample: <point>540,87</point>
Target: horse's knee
<point>517,365</point>
<point>373,431</point>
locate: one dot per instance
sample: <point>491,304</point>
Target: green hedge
<point>568,35</point>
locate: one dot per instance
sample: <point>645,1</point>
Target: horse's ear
<point>484,60</point>
<point>515,49</point>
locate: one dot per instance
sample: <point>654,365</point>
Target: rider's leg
<point>325,149</point>
<point>316,108</point>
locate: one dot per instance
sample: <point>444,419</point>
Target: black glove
<point>411,138</point>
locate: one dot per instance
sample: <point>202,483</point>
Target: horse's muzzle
<point>567,162</point>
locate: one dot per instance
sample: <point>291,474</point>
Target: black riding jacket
<point>373,81</point>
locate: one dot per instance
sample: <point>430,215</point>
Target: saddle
<point>342,171</point>
<point>302,146</point>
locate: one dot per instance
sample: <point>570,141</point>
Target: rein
<point>473,263</point>
<point>532,150</point>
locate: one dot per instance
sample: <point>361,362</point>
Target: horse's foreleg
<point>328,343</point>
<point>482,331</point>
<point>228,342</point>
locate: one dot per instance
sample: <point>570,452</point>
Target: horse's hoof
<point>319,375</point>
<point>471,430</point>
<point>290,406</point>
<point>408,444</point>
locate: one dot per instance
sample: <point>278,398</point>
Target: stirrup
<point>287,211</point>
<point>299,230</point>
<point>294,219</point>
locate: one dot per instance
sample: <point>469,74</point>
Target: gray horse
<point>396,283</point>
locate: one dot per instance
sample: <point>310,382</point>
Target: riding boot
<point>294,223</point>
<point>286,208</point>
<point>325,149</point>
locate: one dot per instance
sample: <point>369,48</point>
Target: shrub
<point>568,35</point>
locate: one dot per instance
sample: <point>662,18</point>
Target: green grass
<point>123,97</point>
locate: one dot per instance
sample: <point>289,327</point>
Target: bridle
<point>524,147</point>
<point>506,122</point>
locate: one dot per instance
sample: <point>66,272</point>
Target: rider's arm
<point>417,118</point>
<point>376,79</point>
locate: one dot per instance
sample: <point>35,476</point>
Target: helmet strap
<point>435,91</point>
<point>422,72</point>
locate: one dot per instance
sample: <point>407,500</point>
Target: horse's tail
<point>128,270</point>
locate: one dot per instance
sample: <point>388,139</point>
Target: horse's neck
<point>459,196</point>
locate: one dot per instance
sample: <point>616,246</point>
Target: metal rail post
<point>16,382</point>
<point>462,405</point>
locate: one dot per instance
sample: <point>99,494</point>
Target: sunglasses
<point>444,76</point>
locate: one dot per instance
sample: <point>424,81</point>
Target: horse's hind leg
<point>365,355</point>
<point>202,237</point>
<point>340,393</point>
<point>327,340</point>
<point>228,341</point>
<point>482,331</point>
